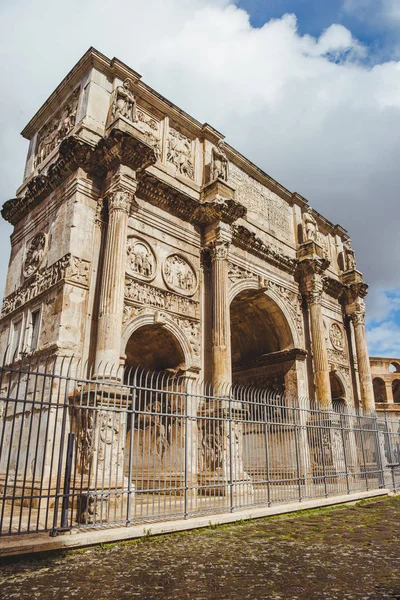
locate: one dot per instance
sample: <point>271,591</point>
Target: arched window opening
<point>396,390</point>
<point>338,393</point>
<point>379,390</point>
<point>394,367</point>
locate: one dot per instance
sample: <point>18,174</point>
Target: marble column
<point>313,295</point>
<point>111,304</point>
<point>357,315</point>
<point>218,246</point>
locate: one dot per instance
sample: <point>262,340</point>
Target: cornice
<point>119,147</point>
<point>249,241</point>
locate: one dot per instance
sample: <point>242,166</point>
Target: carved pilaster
<point>218,240</point>
<point>355,310</point>
<point>121,186</point>
<point>310,275</point>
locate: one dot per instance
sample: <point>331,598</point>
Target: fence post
<point>344,453</point>
<point>131,489</point>
<point>53,531</point>
<point>185,515</point>
<point>391,453</point>
<point>230,454</point>
<point>363,450</point>
<point>296,437</point>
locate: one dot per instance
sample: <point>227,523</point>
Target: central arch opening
<point>263,352</point>
<point>155,348</point>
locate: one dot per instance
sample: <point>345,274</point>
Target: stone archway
<point>154,348</point>
<point>379,390</point>
<point>262,343</point>
<point>338,392</point>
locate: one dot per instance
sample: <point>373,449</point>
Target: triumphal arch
<point>142,238</point>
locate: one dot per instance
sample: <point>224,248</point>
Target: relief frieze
<point>140,259</point>
<point>58,128</point>
<point>143,294</point>
<point>69,268</point>
<point>35,253</point>
<point>270,208</point>
<point>150,127</point>
<point>179,152</point>
<point>179,275</point>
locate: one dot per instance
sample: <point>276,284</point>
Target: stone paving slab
<point>337,553</point>
<point>42,542</point>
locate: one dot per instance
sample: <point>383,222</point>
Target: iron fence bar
<point>61,452</point>
<point>344,453</point>
<point>131,449</point>
<point>67,481</point>
<point>392,457</point>
<point>363,451</point>
<point>296,434</point>
<point>231,474</point>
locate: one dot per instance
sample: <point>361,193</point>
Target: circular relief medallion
<point>336,336</point>
<point>35,254</point>
<point>140,260</point>
<point>179,275</point>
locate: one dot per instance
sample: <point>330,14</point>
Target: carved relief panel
<point>58,128</point>
<point>150,127</point>
<point>180,152</point>
<point>141,261</point>
<point>179,275</point>
<point>36,252</point>
<point>269,210</point>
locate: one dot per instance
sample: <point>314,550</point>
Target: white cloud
<point>384,340</point>
<point>306,110</point>
<point>387,11</point>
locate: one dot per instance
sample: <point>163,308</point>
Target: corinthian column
<point>313,295</point>
<point>111,304</point>
<point>218,242</point>
<point>356,312</point>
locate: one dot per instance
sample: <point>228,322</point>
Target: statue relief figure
<point>35,254</point>
<point>310,228</point>
<point>140,259</point>
<point>219,162</point>
<point>179,275</point>
<point>349,258</point>
<point>123,102</point>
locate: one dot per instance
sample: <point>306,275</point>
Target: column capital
<point>120,200</point>
<point>217,240</point>
<point>356,311</point>
<point>310,277</point>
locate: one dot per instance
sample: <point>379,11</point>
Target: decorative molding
<point>179,275</point>
<point>141,260</point>
<point>147,295</point>
<point>69,268</point>
<point>249,241</point>
<point>129,148</point>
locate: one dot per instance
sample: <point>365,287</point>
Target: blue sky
<point>307,89</point>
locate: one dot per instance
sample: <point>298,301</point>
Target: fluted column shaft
<point>312,291</point>
<point>364,368</point>
<point>218,243</point>
<point>320,356</point>
<point>111,304</point>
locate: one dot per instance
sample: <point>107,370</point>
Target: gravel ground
<point>347,552</point>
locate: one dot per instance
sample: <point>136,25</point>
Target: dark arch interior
<point>379,390</point>
<point>258,327</point>
<point>155,348</point>
<point>396,390</point>
<point>260,335</point>
<point>337,389</point>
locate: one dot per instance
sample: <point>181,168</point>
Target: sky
<point>309,90</point>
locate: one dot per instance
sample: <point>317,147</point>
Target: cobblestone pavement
<point>351,552</point>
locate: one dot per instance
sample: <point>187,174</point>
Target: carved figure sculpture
<point>336,336</point>
<point>35,254</point>
<point>179,275</point>
<point>59,127</point>
<point>124,103</point>
<point>219,162</point>
<point>349,258</point>
<point>180,153</point>
<point>310,228</point>
<point>140,259</point>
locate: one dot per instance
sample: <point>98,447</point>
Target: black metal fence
<point>136,447</point>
